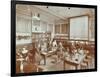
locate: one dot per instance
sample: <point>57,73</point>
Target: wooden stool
<point>83,65</point>
<point>86,61</point>
<point>89,57</point>
<point>90,60</point>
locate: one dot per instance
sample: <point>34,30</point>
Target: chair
<point>29,68</point>
<point>18,67</point>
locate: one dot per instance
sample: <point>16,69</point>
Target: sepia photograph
<point>54,38</point>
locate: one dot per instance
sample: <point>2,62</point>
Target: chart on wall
<point>79,28</point>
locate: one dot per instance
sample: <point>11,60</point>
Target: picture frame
<point>20,35</point>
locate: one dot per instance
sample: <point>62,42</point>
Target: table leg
<point>64,65</point>
<point>76,67</point>
<point>21,67</point>
<point>44,60</point>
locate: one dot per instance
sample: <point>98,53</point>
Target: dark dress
<point>31,55</point>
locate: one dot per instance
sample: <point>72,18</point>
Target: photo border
<point>13,36</point>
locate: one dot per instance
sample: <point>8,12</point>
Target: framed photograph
<point>52,38</point>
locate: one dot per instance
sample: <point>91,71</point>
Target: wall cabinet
<point>61,32</point>
<point>57,29</point>
<point>61,29</point>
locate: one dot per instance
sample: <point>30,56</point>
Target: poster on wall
<point>52,38</point>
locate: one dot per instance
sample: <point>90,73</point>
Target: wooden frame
<point>13,36</point>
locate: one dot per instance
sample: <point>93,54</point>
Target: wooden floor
<point>52,64</point>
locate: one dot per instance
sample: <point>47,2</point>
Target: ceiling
<point>66,12</point>
<point>54,11</point>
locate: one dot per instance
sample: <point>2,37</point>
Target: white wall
<point>23,28</point>
<point>5,39</point>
